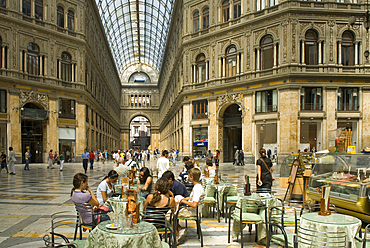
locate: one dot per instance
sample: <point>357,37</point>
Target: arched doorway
<point>139,133</point>
<point>32,130</point>
<point>232,133</point>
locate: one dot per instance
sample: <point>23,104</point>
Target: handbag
<point>263,161</point>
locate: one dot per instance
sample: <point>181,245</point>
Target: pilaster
<point>81,142</point>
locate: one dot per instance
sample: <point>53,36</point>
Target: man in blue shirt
<point>85,159</point>
<point>177,188</point>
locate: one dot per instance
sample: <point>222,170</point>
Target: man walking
<point>50,160</point>
<point>27,157</point>
<point>3,162</point>
<point>163,163</point>
<point>85,159</point>
<point>12,161</point>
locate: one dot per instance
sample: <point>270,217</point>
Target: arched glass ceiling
<point>136,30</point>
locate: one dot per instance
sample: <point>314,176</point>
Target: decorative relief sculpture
<point>30,96</point>
<point>237,98</point>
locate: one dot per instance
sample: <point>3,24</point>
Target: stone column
<point>14,126</point>
<point>365,117</point>
<point>2,57</point>
<point>331,121</point>
<point>247,131</point>
<point>73,72</point>
<point>320,55</point>
<point>339,53</point>
<point>356,53</point>
<point>219,68</point>
<point>303,55</point>
<point>275,54</point>
<point>81,141</point>
<point>289,107</point>
<point>187,135</point>
<point>212,134</point>
<point>51,143</point>
<point>258,59</point>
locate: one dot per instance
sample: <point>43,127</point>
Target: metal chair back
<point>315,238</point>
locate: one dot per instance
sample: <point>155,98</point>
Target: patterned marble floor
<point>28,198</point>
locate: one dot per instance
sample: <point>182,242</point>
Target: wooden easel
<point>292,177</point>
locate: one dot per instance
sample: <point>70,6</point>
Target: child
<point>196,196</point>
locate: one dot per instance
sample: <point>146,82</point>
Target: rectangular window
<point>66,68</point>
<point>200,109</point>
<point>226,14</point>
<point>201,72</point>
<point>39,10</point>
<point>237,9</point>
<point>33,64</point>
<point>348,99</point>
<point>26,7</point>
<point>2,101</point>
<point>231,66</point>
<point>266,101</point>
<point>3,3</point>
<point>67,109</point>
<point>205,19</point>
<point>311,98</point>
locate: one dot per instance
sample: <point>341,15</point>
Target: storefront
<point>200,142</point>
<point>67,139</point>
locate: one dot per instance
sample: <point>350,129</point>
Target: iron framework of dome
<point>136,30</point>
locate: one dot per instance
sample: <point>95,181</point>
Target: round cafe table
<point>142,234</point>
<point>332,223</point>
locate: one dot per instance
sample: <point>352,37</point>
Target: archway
<point>232,131</point>
<point>139,133</point>
<point>32,130</point>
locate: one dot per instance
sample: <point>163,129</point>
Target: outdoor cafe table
<point>142,234</point>
<point>270,202</point>
<point>332,223</point>
<point>119,204</point>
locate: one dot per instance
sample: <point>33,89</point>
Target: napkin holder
<point>132,206</point>
<point>125,186</point>
<point>247,187</point>
<point>324,201</point>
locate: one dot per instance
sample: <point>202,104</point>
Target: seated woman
<point>106,187</point>
<point>146,182</point>
<point>211,168</point>
<point>80,184</point>
<point>162,196</point>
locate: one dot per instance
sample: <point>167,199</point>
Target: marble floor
<point>30,197</point>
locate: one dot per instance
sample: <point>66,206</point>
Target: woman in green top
<point>61,159</point>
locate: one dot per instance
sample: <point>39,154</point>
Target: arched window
<point>33,59</point>
<point>226,11</point>
<point>237,8</point>
<point>66,67</point>
<point>196,22</point>
<point>348,49</point>
<point>267,52</point>
<point>231,61</point>
<point>71,20</point>
<point>311,47</point>
<point>60,17</point>
<point>205,18</point>
<point>201,68</point>
<point>139,77</point>
<point>39,8</point>
<point>26,7</point>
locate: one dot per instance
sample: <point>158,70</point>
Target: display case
<point>348,175</point>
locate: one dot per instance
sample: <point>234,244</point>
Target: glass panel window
<point>33,59</point>
<point>67,109</point>
<point>231,61</point>
<point>237,9</point>
<point>348,99</point>
<point>200,109</point>
<point>226,11</point>
<point>311,98</point>
<point>311,48</point>
<point>2,101</point>
<point>267,52</point>
<point>39,10</point>
<point>26,7</point>
<point>3,3</point>
<point>348,49</point>
<point>60,17</point>
<point>260,4</point>
<point>71,20</point>
<point>205,18</point>
<point>266,101</point>
<point>201,68</point>
<point>196,22</point>
<point>66,67</point>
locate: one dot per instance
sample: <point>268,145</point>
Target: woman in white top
<point>106,187</point>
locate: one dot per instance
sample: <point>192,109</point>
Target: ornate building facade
<point>59,86</point>
<point>276,74</point>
